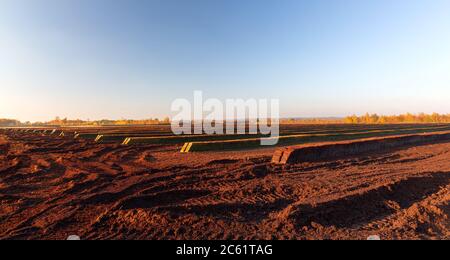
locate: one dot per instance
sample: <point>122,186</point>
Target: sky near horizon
<point>95,59</point>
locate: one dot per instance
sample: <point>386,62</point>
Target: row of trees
<point>408,118</point>
<point>365,119</point>
<point>9,123</point>
<point>311,121</point>
<point>67,122</point>
<point>398,119</point>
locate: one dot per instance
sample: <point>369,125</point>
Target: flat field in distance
<point>134,183</point>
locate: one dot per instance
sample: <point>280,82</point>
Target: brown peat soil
<point>53,187</point>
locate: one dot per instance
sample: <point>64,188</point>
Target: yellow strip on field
<point>126,141</point>
<point>98,138</point>
<point>186,147</point>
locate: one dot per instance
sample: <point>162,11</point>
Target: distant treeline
<point>312,121</point>
<point>9,122</point>
<point>105,122</point>
<point>365,119</point>
<point>398,119</point>
<point>66,122</point>
<point>374,119</point>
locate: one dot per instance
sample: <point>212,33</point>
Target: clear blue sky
<point>94,59</point>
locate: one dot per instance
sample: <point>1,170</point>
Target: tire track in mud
<point>48,188</point>
<point>365,207</point>
<point>155,179</point>
<point>240,206</point>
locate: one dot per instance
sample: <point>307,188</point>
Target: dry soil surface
<point>51,188</point>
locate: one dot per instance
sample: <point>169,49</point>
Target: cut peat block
<point>336,150</point>
<point>254,143</point>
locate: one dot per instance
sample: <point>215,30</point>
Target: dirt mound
<point>327,151</point>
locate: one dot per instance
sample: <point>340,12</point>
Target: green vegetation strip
<point>105,136</point>
<point>184,138</point>
<point>248,138</point>
<point>148,136</point>
<point>299,139</point>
